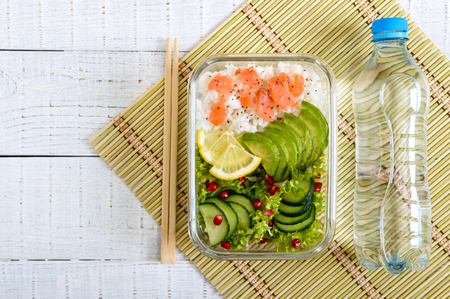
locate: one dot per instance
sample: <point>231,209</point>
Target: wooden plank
<point>136,25</point>
<point>72,208</point>
<point>113,279</point>
<point>144,25</point>
<point>51,103</point>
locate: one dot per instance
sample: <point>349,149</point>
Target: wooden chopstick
<point>173,155</point>
<point>169,192</point>
<point>165,257</point>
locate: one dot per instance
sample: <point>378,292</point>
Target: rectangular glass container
<point>327,218</point>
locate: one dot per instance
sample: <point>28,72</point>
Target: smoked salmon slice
<point>265,105</point>
<point>251,84</point>
<point>224,85</point>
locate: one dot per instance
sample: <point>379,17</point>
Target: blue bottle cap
<point>390,28</point>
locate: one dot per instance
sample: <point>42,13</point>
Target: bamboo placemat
<point>338,32</point>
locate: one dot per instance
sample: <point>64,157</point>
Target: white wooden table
<point>69,227</point>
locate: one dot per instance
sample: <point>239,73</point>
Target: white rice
<point>246,119</point>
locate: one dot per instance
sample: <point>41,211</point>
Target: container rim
<point>332,156</point>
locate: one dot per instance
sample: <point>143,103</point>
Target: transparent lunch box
<point>327,217</point>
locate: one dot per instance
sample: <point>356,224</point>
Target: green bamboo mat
<point>338,32</point>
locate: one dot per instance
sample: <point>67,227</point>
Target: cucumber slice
<point>318,136</point>
<point>264,148</point>
<point>291,135</point>
<point>279,218</point>
<point>305,135</point>
<point>291,211</point>
<point>307,187</point>
<point>284,155</point>
<point>319,116</point>
<point>231,215</point>
<point>242,200</point>
<point>243,216</point>
<point>298,226</point>
<point>216,233</point>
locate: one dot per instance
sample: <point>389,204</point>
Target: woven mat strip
<point>339,32</point>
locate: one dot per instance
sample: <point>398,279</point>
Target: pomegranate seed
<point>263,240</point>
<point>212,187</point>
<point>268,213</point>
<point>218,220</point>
<point>226,245</point>
<point>224,194</point>
<point>207,183</point>
<point>296,243</point>
<point>269,179</point>
<point>257,204</point>
<point>318,176</point>
<point>278,189</point>
<point>242,180</point>
<point>290,178</point>
<point>317,187</point>
<point>272,189</point>
<point>270,223</point>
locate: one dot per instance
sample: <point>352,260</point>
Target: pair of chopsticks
<point>169,188</point>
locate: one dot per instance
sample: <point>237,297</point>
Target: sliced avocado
<point>264,148</point>
<point>240,139</point>
<point>291,135</point>
<point>319,116</point>
<point>302,130</point>
<point>287,142</point>
<point>318,135</point>
<point>283,163</point>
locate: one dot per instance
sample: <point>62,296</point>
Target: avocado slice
<point>263,147</point>
<point>291,135</point>
<point>302,130</point>
<point>283,163</point>
<point>289,143</point>
<point>240,139</point>
<point>318,135</point>
<point>319,117</point>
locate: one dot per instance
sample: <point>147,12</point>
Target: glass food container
<point>327,217</point>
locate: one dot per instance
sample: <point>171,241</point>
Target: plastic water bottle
<point>391,210</point>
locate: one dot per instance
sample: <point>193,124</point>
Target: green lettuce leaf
<point>202,168</point>
<point>260,224</point>
<point>201,221</point>
<point>307,237</point>
<point>292,186</point>
<point>239,238</point>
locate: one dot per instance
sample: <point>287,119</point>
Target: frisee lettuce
<point>307,237</point>
<point>202,169</point>
<point>256,188</point>
<point>239,239</point>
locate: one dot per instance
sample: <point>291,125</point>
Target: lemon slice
<point>234,163</point>
<point>212,144</point>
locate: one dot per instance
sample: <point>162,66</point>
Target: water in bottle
<point>392,211</point>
